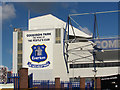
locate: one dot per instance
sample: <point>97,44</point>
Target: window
<point>58,35</point>
<point>20,60</point>
<point>19,46</point>
<point>20,35</point>
<point>19,66</point>
<point>107,64</point>
<point>19,55</point>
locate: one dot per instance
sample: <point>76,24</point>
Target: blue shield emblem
<point>38,53</point>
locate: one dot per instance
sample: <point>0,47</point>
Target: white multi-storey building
<point>46,33</point>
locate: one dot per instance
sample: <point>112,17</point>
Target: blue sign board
<point>108,43</point>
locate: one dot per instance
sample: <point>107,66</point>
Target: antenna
<point>28,17</point>
<point>28,14</point>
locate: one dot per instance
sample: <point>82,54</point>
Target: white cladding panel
<point>88,72</point>
<point>7,86</point>
<point>80,52</point>
<point>15,45</point>
<point>59,63</point>
<point>43,74</point>
<point>45,22</point>
<point>49,21</point>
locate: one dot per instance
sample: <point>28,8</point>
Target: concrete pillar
<point>57,83</point>
<point>98,81</point>
<point>82,83</point>
<point>23,81</point>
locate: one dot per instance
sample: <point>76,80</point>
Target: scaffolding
<point>90,48</point>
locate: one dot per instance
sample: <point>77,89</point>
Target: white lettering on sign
<point>38,49</point>
<point>112,44</point>
<point>104,44</point>
<point>118,44</point>
<point>108,43</point>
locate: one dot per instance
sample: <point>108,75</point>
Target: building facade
<point>40,49</point>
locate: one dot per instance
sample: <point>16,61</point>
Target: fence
<point>44,84</point>
<point>30,80</point>
<point>72,85</point>
<point>63,85</point>
<point>89,85</point>
<point>22,80</point>
<point>51,84</point>
<point>14,78</point>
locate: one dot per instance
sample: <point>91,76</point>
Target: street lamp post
<point>95,71</point>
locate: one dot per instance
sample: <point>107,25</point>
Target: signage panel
<point>108,44</point>
<point>38,49</point>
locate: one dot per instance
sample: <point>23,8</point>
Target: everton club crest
<point>38,53</point>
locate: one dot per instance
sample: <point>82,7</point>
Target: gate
<point>89,84</point>
<point>30,80</point>
<point>44,84</point>
<point>70,85</point>
<point>14,78</point>
<point>47,84</point>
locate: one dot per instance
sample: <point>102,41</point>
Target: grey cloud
<point>86,30</point>
<point>8,11</point>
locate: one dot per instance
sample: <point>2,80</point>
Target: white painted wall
<point>59,67</point>
<point>5,86</point>
<point>49,21</point>
<point>45,22</point>
<point>15,44</point>
<point>88,72</point>
<point>75,51</point>
<point>42,74</point>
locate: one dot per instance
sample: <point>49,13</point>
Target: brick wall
<point>23,73</point>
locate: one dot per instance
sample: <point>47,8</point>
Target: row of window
<point>19,35</point>
<point>19,64</point>
<point>19,46</point>
<point>19,58</point>
<point>109,64</point>
<point>58,35</point>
